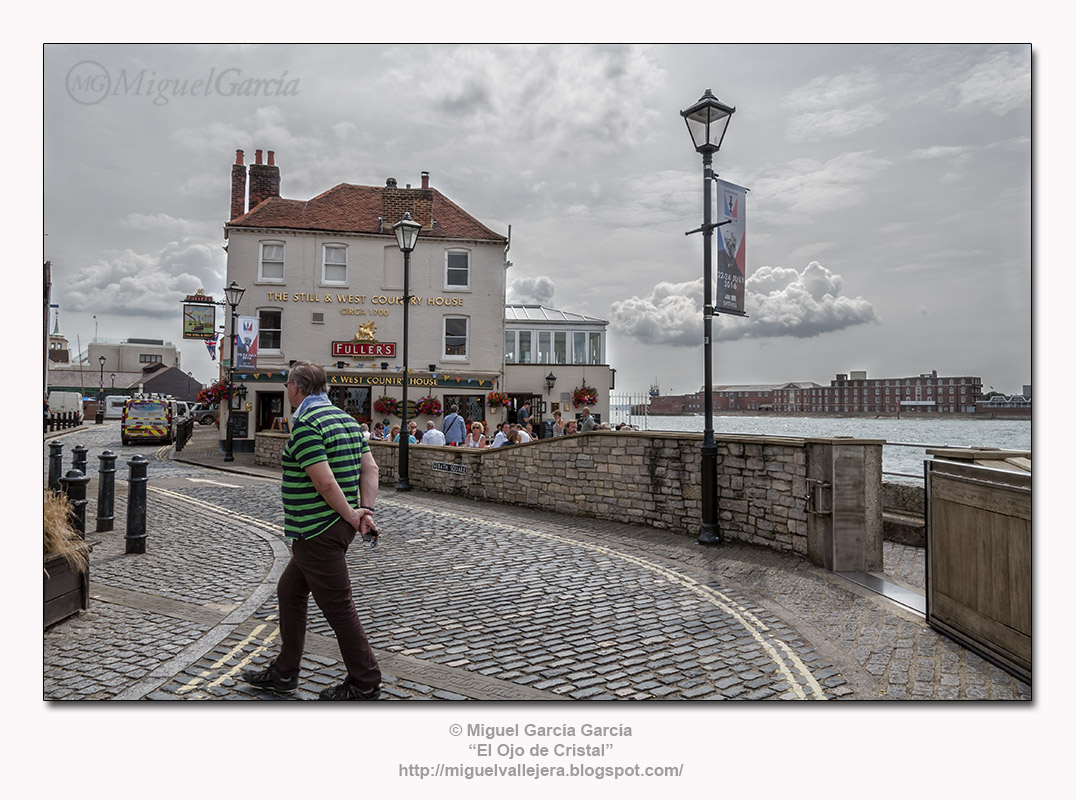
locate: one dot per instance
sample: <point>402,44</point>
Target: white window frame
<point>458,287</point>
<point>444,339</point>
<point>325,248</point>
<point>530,353</point>
<point>261,329</point>
<point>566,342</point>
<point>544,352</point>
<point>262,278</point>
<point>511,349</point>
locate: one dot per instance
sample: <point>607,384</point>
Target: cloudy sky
<point>888,217</point>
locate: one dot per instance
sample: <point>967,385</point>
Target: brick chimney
<point>264,179</point>
<point>239,187</point>
<point>395,202</point>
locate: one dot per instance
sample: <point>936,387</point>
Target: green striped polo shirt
<point>323,433</point>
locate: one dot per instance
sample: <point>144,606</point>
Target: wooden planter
<point>66,591</point>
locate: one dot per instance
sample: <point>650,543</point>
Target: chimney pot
<point>257,156</point>
<point>239,157</point>
<point>391,182</point>
<point>425,180</point>
<point>272,155</point>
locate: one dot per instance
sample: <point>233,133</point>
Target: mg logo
<point>88,83</point>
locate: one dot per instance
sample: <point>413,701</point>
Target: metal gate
<point>979,560</point>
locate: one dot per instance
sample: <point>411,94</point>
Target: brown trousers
<point>318,567</point>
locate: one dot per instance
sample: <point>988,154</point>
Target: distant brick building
<point>848,393</point>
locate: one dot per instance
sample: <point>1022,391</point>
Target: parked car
<point>183,410</point>
<point>205,414</point>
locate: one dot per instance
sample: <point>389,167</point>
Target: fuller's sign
<point>364,349</point>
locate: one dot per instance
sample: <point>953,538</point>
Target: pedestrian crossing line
<point>754,626</point>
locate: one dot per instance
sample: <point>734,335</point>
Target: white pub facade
<point>324,279</point>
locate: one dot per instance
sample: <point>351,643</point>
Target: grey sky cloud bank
<point>883,180</point>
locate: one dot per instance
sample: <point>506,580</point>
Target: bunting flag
<point>211,346</point>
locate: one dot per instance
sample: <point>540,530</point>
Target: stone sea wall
<point>653,478</point>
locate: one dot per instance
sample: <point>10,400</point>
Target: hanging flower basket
<point>584,396</point>
<point>496,400</point>
<point>428,406</point>
<point>388,406</point>
<point>217,393</point>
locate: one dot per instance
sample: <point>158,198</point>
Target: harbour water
<point>900,462</point>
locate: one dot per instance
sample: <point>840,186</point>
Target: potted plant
<point>66,562</point>
<point>496,400</point>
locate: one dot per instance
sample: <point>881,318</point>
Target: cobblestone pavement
<point>464,600</point>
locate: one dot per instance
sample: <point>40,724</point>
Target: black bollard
<point>136,505</point>
<point>52,422</point>
<point>78,458</point>
<point>182,434</point>
<point>74,484</point>
<point>106,491</point>
<point>56,465</point>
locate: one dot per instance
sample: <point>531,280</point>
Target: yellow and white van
<point>149,420</point>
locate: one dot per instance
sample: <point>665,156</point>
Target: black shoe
<point>349,691</point>
<point>269,678</point>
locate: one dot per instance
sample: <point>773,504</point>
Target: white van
<point>114,406</point>
<point>65,402</point>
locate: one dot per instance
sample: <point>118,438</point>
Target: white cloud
<point>127,283</point>
<point>531,291</point>
<point>780,302</point>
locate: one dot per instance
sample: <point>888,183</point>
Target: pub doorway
<point>270,408</point>
<point>515,403</point>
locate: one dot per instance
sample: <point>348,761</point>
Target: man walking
<point>454,428</point>
<point>327,470</point>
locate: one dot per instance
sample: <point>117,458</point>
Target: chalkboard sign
<point>239,423</point>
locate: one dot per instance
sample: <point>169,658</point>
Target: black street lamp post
<point>707,121</point>
<point>100,418</point>
<point>407,231</point>
<point>234,294</point>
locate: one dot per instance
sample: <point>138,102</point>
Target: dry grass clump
<point>61,539</point>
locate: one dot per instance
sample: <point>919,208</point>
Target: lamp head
<point>406,231</point>
<point>707,122</point>
<point>234,293</point>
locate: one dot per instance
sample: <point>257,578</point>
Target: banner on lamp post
<point>246,344</point>
<point>731,248</point>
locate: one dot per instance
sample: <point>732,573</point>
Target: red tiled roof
<point>348,208</point>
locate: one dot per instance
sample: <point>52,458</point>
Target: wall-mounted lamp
<point>550,382</point>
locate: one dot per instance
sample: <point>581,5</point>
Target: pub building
<point>324,280</point>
